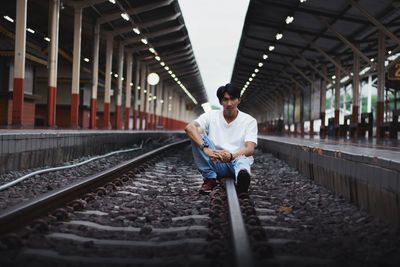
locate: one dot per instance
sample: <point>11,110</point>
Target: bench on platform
<point>393,126</point>
<point>366,124</point>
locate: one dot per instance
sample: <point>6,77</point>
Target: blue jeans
<point>216,170</point>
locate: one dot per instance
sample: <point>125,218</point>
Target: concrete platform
<point>368,174</point>
<point>24,149</point>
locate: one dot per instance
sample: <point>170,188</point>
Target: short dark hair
<point>228,88</point>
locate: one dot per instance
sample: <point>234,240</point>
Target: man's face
<point>229,103</point>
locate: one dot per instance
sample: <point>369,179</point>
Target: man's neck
<point>230,115</point>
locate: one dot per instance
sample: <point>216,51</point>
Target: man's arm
<point>193,133</point>
<point>247,150</point>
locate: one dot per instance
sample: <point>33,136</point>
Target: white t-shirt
<point>229,136</point>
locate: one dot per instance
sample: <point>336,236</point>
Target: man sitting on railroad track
<point>227,148</point>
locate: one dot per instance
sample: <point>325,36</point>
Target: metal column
<point>337,100</point>
<point>137,94</point>
<point>119,88</point>
<point>381,83</point>
<point>53,59</point>
<point>95,76</point>
<point>19,64</point>
<point>107,85</point>
<point>128,89</point>
<point>76,65</point>
<point>356,92</point>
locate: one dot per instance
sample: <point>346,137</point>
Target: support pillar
<point>137,94</point>
<point>53,58</point>
<point>337,101</point>
<point>107,85</point>
<point>95,76</point>
<point>19,64</point>
<point>119,88</point>
<point>128,90</point>
<point>76,66</point>
<point>356,96</point>
<point>381,84</point>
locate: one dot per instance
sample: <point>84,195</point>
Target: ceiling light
<point>30,30</point>
<point>247,83</point>
<point>178,82</point>
<point>390,52</point>
<point>166,68</point>
<point>372,60</point>
<point>253,75</point>
<point>333,77</point>
<point>170,71</point>
<point>151,49</point>
<point>47,39</point>
<point>250,79</point>
<point>173,75</point>
<point>111,1</point>
<point>278,36</point>
<point>260,64</point>
<point>136,30</point>
<point>138,87</point>
<point>145,91</point>
<point>289,19</point>
<point>131,84</point>
<point>271,48</point>
<point>161,101</point>
<point>302,1</point>
<point>157,58</point>
<point>162,63</point>
<point>256,70</point>
<point>265,56</point>
<point>8,18</point>
<point>116,75</point>
<point>125,16</point>
<point>86,59</point>
<point>143,40</point>
<point>176,79</point>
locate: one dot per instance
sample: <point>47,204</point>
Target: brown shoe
<point>207,186</point>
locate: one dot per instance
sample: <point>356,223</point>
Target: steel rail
<point>241,244</point>
<point>22,214</point>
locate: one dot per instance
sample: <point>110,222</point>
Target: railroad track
<point>146,211</point>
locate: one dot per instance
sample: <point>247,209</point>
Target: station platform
<point>367,173</point>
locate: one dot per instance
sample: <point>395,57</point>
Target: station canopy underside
<point>321,31</point>
<point>159,21</point>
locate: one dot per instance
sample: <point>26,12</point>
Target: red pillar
<point>93,104</point>
<point>106,117</point>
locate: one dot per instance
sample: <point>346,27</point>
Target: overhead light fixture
<point>116,75</point>
<point>138,87</point>
<point>260,64</point>
<point>173,75</point>
<point>265,56</point>
<point>47,39</point>
<point>372,60</point>
<point>144,40</point>
<point>247,83</point>
<point>250,79</point>
<point>256,70</point>
<point>333,77</point>
<point>125,16</point>
<point>30,30</point>
<point>8,18</point>
<point>161,101</point>
<point>390,52</point>
<point>278,36</point>
<point>157,58</point>
<point>145,91</point>
<point>136,30</point>
<point>271,48</point>
<point>178,82</point>
<point>170,72</point>
<point>302,1</point>
<point>253,75</point>
<point>176,79</point>
<point>112,1</point>
<point>151,49</point>
<point>162,63</point>
<point>166,68</point>
<point>86,59</point>
<point>131,84</point>
<point>289,19</point>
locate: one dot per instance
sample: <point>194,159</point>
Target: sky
<point>215,28</point>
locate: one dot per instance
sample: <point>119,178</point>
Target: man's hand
<point>224,156</point>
